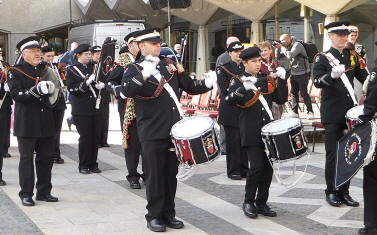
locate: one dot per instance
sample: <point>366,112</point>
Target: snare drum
<point>195,140</point>
<point>284,139</point>
<point>352,116</point>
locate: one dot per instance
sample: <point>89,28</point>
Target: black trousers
<point>104,113</point>
<point>161,168</point>
<point>132,153</point>
<point>89,128</point>
<point>5,115</point>
<point>370,195</point>
<point>236,157</point>
<point>43,165</point>
<point>58,118</point>
<point>333,133</point>
<point>300,83</point>
<point>258,177</point>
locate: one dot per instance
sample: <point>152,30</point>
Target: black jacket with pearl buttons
<point>32,117</point>
<point>335,99</point>
<point>82,100</point>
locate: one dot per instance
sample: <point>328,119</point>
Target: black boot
<point>250,210</point>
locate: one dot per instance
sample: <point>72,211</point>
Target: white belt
<point>264,103</point>
<point>335,62</point>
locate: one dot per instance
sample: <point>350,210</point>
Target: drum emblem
<point>353,149</point>
<point>298,141</point>
<point>209,146</point>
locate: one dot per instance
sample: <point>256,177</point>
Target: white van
<point>94,34</point>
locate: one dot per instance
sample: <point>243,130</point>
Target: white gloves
<point>210,78</point>
<point>280,72</point>
<point>90,79</point>
<point>248,82</point>
<point>337,71</point>
<point>100,85</point>
<point>6,87</point>
<point>45,87</point>
<point>149,65</point>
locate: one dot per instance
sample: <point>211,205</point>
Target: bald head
<point>285,40</point>
<point>74,45</point>
<point>231,39</point>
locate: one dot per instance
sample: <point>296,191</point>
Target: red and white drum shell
<point>352,116</point>
<point>195,140</point>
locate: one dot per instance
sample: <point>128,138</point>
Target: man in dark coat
<point>155,85</point>
<point>33,122</point>
<point>334,71</point>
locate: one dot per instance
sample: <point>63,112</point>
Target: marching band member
<point>236,158</point>
<point>370,171</point>
<point>58,110</point>
<point>105,101</point>
<point>80,82</point>
<point>34,123</point>
<point>5,114</point>
<point>154,84</point>
<point>254,93</point>
<point>334,72</point>
<point>126,109</point>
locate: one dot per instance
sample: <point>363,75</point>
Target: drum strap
<point>29,76</point>
<point>264,103</point>
<point>335,62</point>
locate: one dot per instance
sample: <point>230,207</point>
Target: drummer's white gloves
<point>280,72</point>
<point>248,85</point>
<point>100,85</point>
<point>149,66</point>
<point>90,79</point>
<point>210,79</point>
<point>6,87</point>
<point>42,88</point>
<point>51,87</point>
<point>337,71</point>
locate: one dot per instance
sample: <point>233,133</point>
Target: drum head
<point>355,112</point>
<point>280,126</point>
<point>191,127</point>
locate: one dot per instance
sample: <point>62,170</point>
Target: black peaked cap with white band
<point>338,27</point>
<point>29,42</point>
<point>152,35</point>
<point>130,37</point>
<point>250,53</point>
<point>123,50</point>
<point>235,46</point>
<point>95,49</point>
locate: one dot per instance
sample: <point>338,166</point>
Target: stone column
<point>326,40</point>
<point>202,52</point>
<point>256,32</point>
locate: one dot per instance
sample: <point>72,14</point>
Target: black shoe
<point>134,184</point>
<point>348,200</point>
<point>84,171</point>
<point>368,231</point>
<point>95,170</point>
<point>235,177</point>
<point>156,225</point>
<point>250,210</point>
<point>173,223</point>
<point>69,123</point>
<point>333,199</point>
<point>7,155</point>
<point>105,145</point>
<point>27,201</point>
<point>59,160</point>
<point>266,211</point>
<point>46,198</point>
<point>2,182</point>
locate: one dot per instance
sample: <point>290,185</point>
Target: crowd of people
<point>253,92</point>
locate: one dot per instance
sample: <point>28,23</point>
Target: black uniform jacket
<point>32,117</point>
<point>156,116</point>
<point>115,79</point>
<point>105,95</point>
<point>7,101</point>
<point>228,113</point>
<point>60,103</point>
<point>370,103</point>
<point>253,118</point>
<point>83,102</point>
<point>335,99</point>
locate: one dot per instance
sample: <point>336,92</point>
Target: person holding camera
<point>289,47</point>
